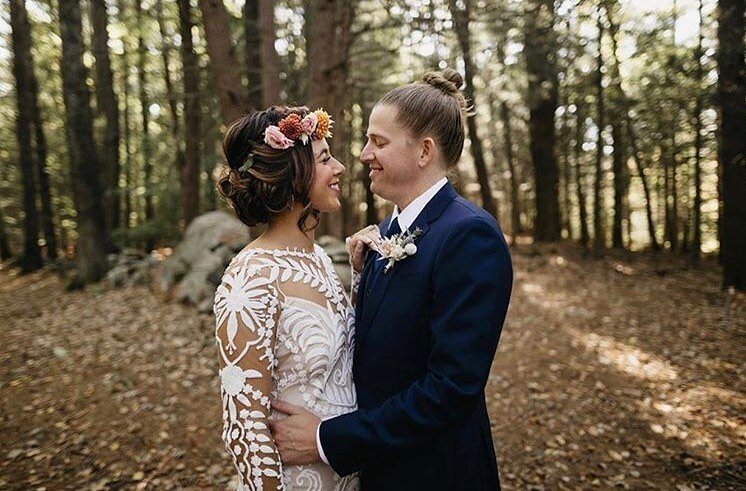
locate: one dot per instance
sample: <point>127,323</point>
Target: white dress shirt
<point>409,214</point>
<point>406,217</point>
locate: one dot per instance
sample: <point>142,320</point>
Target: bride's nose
<point>339,168</point>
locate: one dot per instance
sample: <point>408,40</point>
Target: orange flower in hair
<point>324,126</point>
<point>290,126</point>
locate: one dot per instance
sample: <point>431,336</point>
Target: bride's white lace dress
<point>284,329</point>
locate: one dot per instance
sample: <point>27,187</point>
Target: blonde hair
<point>436,107</point>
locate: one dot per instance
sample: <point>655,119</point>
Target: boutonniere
<point>398,247</point>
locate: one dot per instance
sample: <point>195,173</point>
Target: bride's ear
<point>427,152</point>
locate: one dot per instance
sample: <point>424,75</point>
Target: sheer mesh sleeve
<point>354,285</point>
<point>246,313</point>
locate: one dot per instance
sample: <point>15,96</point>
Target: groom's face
<point>391,154</point>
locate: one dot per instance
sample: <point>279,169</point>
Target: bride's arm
<point>357,246</point>
<point>354,285</point>
<point>246,311</point>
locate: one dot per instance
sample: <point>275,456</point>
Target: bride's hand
<point>370,237</point>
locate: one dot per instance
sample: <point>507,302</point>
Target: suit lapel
<point>370,259</point>
<point>381,284</point>
<point>365,279</point>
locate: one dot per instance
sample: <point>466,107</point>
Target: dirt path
<point>618,373</point>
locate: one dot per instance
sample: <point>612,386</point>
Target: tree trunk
<point>147,164</point>
<point>85,165</point>
<point>342,85</point>
<point>126,192</point>
<point>320,43</point>
<point>599,238</point>
<point>505,121</point>
<point>223,63</point>
<point>166,56</point>
<point>625,119</point>
<point>566,208</point>
<point>673,128</point>
<point>180,158</point>
<point>696,249</point>
<point>46,218</point>
<point>620,180</point>
<point>371,214</point>
<point>128,185</point>
<point>515,201</point>
<point>637,157</point>
<point>732,148</point>
<point>108,105</point>
<point>670,186</point>
<point>329,38</point>
<point>22,71</point>
<point>253,53</point>
<point>189,173</point>
<point>496,155</point>
<point>270,61</point>
<point>40,147</point>
<point>460,18</point>
<point>579,177</point>
<point>5,252</point>
<point>45,194</point>
<point>540,51</point>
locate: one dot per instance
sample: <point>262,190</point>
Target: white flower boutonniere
<point>398,247</point>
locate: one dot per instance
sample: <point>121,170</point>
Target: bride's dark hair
<point>434,106</point>
<point>276,180</point>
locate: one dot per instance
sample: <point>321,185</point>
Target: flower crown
<point>313,126</point>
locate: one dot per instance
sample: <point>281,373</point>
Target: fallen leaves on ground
<point>624,372</point>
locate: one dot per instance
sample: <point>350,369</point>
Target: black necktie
<point>393,228</point>
<point>378,262</point>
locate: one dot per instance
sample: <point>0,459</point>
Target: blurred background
<point>608,140</point>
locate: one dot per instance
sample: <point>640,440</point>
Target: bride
<point>284,324</point>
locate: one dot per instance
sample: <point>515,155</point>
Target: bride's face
<point>391,154</point>
<point>325,190</point>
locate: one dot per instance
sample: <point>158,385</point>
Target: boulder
<point>191,273</point>
<point>337,252</point>
<point>129,268</point>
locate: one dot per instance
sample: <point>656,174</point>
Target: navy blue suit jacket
<point>425,336</point>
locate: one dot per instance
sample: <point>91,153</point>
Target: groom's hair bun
<point>274,179</point>
<point>449,81</point>
<point>434,107</point>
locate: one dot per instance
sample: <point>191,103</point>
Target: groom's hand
<point>295,436</point>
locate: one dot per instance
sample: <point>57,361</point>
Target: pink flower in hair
<point>308,124</point>
<point>276,139</point>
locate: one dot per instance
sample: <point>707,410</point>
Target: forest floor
<point>626,372</point>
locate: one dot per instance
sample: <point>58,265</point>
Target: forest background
<point>608,139</point>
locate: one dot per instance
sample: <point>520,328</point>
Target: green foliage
<point>393,42</point>
<point>159,231</point>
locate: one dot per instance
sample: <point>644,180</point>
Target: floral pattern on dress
<point>284,329</point>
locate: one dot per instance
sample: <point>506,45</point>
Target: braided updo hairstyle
<point>277,178</point>
<point>434,106</point>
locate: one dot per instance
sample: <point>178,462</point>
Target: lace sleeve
<point>246,312</point>
<point>354,284</point>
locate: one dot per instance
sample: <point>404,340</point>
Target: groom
<point>427,327</point>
